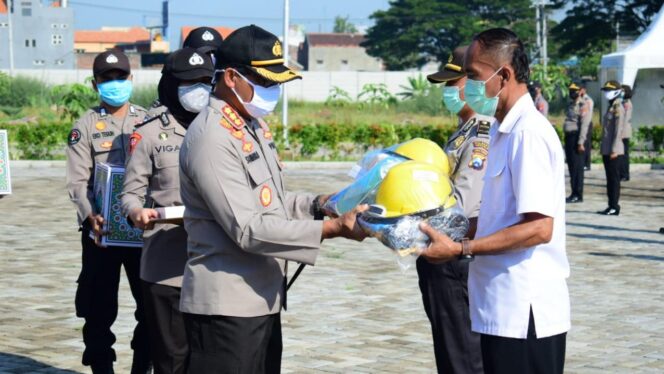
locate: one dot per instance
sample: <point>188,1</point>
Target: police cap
<point>110,60</point>
<point>205,39</point>
<point>453,69</point>
<point>258,50</point>
<point>611,86</point>
<point>189,64</point>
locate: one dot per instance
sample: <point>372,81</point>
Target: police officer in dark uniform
<point>102,135</point>
<point>153,174</point>
<point>444,286</point>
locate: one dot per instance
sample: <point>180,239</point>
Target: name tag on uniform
<point>252,157</point>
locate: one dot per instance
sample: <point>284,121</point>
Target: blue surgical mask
<point>115,93</point>
<point>452,100</point>
<point>476,98</point>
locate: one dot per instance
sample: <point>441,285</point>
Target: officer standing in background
<point>102,135</point>
<point>612,147</point>
<point>540,102</point>
<point>627,132</point>
<point>153,173</point>
<point>204,39</point>
<point>444,286</point>
<point>242,225</point>
<point>578,119</point>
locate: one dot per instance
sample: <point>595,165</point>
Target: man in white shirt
<point>518,293</point>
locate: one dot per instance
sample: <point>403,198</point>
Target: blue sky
<point>315,15</point>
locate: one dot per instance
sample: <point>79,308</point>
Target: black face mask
<point>574,94</point>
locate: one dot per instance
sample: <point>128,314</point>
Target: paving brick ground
<point>355,312</point>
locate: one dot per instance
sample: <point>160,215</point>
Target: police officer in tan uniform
<point>243,226</point>
<point>102,135</point>
<point>612,147</point>
<point>444,286</point>
<point>627,132</point>
<point>153,173</point>
<point>577,121</point>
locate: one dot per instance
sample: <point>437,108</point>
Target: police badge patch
<point>74,137</point>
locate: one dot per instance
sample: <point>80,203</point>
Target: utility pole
<point>284,92</point>
<point>545,52</point>
<point>10,9</point>
<point>617,36</point>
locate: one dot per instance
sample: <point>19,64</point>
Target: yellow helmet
<point>414,187</point>
<point>426,151</point>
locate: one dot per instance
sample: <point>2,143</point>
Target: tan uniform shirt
<point>467,150</point>
<point>612,129</point>
<point>579,116</point>
<point>96,137</point>
<point>242,224</point>
<point>153,174</point>
<point>627,131</point>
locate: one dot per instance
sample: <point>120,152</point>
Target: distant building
<point>42,35</point>
<point>97,41</point>
<point>336,52</point>
<point>137,42</point>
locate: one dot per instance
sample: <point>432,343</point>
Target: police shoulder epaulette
<point>146,121</point>
<point>483,127</point>
<point>233,117</point>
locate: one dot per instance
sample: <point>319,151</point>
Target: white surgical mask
<point>195,97</point>
<point>610,95</point>
<point>264,101</point>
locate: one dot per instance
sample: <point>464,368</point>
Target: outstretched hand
<point>442,247</point>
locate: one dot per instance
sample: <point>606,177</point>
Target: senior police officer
<point>577,121</point>
<point>445,286</point>
<point>102,135</point>
<point>242,225</point>
<point>153,173</point>
<point>612,146</point>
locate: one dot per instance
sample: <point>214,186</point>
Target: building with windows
<point>336,52</point>
<point>42,35</point>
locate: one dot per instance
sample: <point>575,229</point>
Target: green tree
<point>590,26</point>
<point>411,33</point>
<point>343,25</point>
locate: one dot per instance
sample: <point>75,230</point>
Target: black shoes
<point>574,200</point>
<point>610,212</point>
<point>102,368</point>
<point>624,179</point>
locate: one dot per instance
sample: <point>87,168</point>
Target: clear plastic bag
<point>368,174</point>
<point>403,234</point>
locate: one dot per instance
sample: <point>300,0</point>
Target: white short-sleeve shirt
<point>525,174</point>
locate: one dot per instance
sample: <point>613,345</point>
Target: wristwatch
<point>466,254</point>
<point>317,210</point>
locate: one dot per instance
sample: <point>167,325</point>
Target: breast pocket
<point>258,172</point>
<point>497,188</point>
<point>167,170</point>
<point>109,151</point>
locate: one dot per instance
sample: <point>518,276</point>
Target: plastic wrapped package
<point>369,173</point>
<point>403,234</point>
<point>411,193</point>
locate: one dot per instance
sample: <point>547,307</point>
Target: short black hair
<point>504,45</point>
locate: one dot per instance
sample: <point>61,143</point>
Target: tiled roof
<point>132,35</point>
<point>3,6</point>
<point>335,39</point>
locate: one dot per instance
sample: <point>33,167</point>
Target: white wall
<point>315,86</point>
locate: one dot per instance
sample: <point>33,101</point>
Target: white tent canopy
<point>641,66</point>
<point>645,53</point>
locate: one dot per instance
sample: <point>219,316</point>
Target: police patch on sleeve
<point>74,136</point>
<point>478,159</point>
<point>134,139</point>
